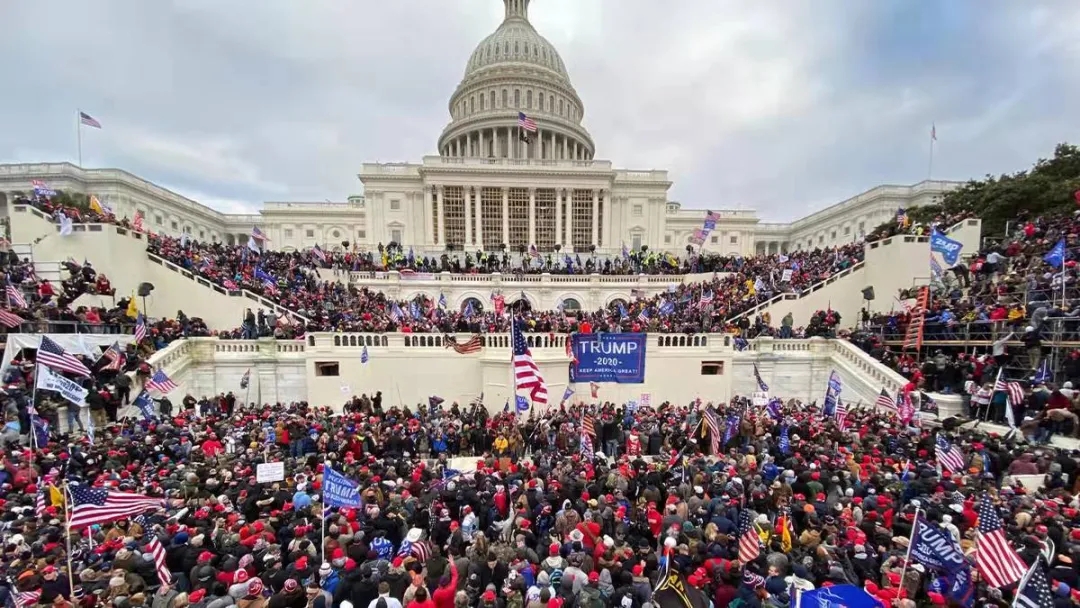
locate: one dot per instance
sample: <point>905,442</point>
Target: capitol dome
<point>516,71</point>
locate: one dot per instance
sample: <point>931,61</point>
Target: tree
<point>1046,189</point>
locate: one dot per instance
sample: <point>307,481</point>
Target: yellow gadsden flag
<point>95,205</point>
<point>56,497</point>
<point>133,308</point>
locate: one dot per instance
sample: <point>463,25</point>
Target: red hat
<point>301,564</point>
<point>290,585</point>
<point>594,577</point>
<point>553,548</point>
<point>240,576</point>
<point>255,587</point>
<point>205,556</point>
<point>488,596</point>
<point>638,569</point>
<point>338,554</point>
<point>196,596</point>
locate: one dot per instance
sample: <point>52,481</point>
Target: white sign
<point>786,277</point>
<point>645,400</point>
<point>68,389</point>
<point>270,472</point>
<point>760,398</point>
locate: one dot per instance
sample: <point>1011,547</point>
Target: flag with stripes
<point>39,501</point>
<point>526,123</point>
<point>713,422</point>
<point>114,359</point>
<point>885,400</point>
<point>473,345</point>
<point>10,319</point>
<point>52,355</point>
<point>586,445</point>
<point>705,299</point>
<point>25,599</point>
<point>15,297</point>
<point>997,562</point>
<point>88,120</point>
<point>158,552</point>
<point>588,425</point>
<point>258,234</point>
<point>1034,590</point>
<point>904,408</point>
<point>749,541</point>
<point>161,383</point>
<point>137,222</point>
<point>100,506</point>
<point>840,413</point>
<point>526,373</point>
<point>1014,396</point>
<point>949,455</point>
<point>140,328</point>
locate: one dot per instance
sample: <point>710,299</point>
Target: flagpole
<point>911,542</point>
<point>67,537</point>
<point>933,138</point>
<point>78,133</point>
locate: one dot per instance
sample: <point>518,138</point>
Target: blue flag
<point>935,548</point>
<point>522,404</point>
<point>838,596</point>
<point>1056,256</point>
<point>948,248</point>
<point>761,383</point>
<point>785,440</point>
<point>340,491</point>
<point>145,405</point>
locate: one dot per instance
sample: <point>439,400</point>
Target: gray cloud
<point>782,107</point>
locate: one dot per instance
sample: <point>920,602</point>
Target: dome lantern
<point>517,9</point>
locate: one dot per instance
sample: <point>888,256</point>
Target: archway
<point>615,303</point>
<point>570,305</point>
<point>475,303</point>
<point>520,305</point>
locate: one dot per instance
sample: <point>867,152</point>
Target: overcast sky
<point>782,106</point>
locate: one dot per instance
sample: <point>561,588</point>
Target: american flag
<point>840,413</point>
<point>1012,390</point>
<point>904,408</point>
<point>586,447</point>
<point>319,253</point>
<point>161,383</point>
<point>258,235</point>
<point>885,400</point>
<point>100,506</point>
<point>140,328</point>
<point>158,552</point>
<point>39,500</point>
<point>51,354</point>
<point>15,297</point>
<point>113,357</point>
<point>713,423</point>
<point>949,455</point>
<point>10,319</point>
<point>1034,590</point>
<point>526,373</point>
<point>594,389</point>
<point>705,299</point>
<point>749,541</point>
<point>88,120</point>
<point>526,123</point>
<point>137,223</point>
<point>25,599</point>
<point>997,562</point>
<point>588,425</point>
<point>472,345</point>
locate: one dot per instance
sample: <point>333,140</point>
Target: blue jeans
<point>296,448</point>
<point>73,419</point>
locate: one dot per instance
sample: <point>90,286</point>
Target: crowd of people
<point>459,507</point>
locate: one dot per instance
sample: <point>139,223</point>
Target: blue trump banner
<point>936,549</point>
<point>948,248</point>
<point>609,358</point>
<point>340,491</point>
<point>837,596</point>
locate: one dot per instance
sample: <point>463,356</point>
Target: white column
<point>442,217</point>
<point>532,216</point>
<point>478,236</point>
<point>565,148</point>
<point>481,152</point>
<point>506,216</point>
<point>595,216</point>
<point>468,204</point>
<point>605,229</point>
<point>509,150</point>
<point>558,215</point>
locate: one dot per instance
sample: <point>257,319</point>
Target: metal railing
<point>43,326</point>
<point>1055,331</point>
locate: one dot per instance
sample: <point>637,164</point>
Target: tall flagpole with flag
<point>82,118</point>
<point>933,139</point>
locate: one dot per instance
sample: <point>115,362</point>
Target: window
<point>847,230</point>
<point>528,99</point>
<point>821,239</point>
<point>472,105</point>
<point>310,233</point>
<point>712,368</point>
<point>635,242</point>
<point>482,99</point>
<point>540,101</point>
<point>638,210</point>
<point>667,239</point>
<point>202,235</point>
<point>327,368</point>
<point>734,240</point>
<point>832,236</point>
<point>517,98</point>
<point>395,204</point>
<point>335,234</point>
<point>491,100</point>
<point>560,107</point>
<point>288,233</point>
<point>395,235</point>
<point>505,103</point>
<point>361,234</point>
<point>571,304</point>
<point>862,227</point>
<point>174,225</point>
<point>714,240</point>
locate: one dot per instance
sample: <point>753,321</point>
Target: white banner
<point>786,277</point>
<point>68,389</point>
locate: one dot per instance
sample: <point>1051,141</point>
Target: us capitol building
<point>492,184</point>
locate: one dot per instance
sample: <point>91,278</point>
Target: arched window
<point>477,305</point>
<point>472,105</point>
<point>491,101</point>
<point>560,108</point>
<point>517,98</point>
<point>571,305</point>
<point>521,305</point>
<point>540,100</point>
<point>504,104</point>
<point>616,303</point>
<point>528,99</point>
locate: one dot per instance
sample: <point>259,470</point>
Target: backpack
<point>590,598</point>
